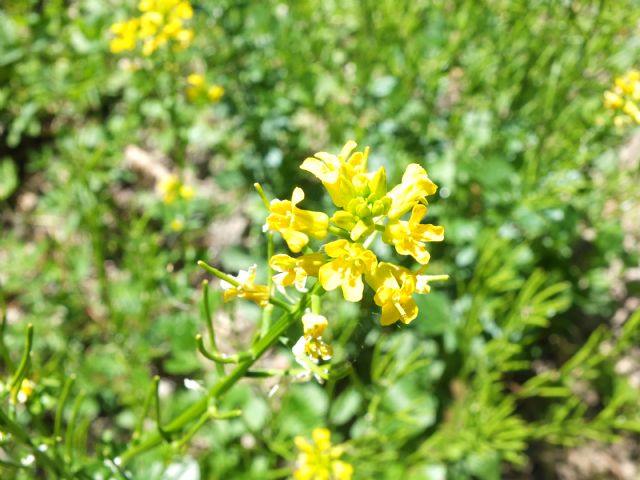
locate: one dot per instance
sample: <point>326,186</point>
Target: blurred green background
<point>524,365</point>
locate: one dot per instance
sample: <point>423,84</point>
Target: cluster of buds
<point>320,459</point>
<point>161,22</point>
<point>624,98</point>
<point>198,90</point>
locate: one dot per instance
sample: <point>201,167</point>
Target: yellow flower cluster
<point>161,21</point>
<point>170,188</point>
<point>624,98</point>
<point>366,208</point>
<point>197,89</point>
<point>320,460</point>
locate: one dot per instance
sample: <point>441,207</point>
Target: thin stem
<point>339,232</point>
<point>156,388</point>
<point>145,410</point>
<point>221,357</point>
<point>210,327</point>
<point>71,427</point>
<point>21,372</point>
<point>4,351</point>
<point>264,198</point>
<point>19,434</point>
<point>57,428</point>
<point>222,386</point>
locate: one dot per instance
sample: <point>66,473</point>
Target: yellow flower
<point>22,394</point>
<point>247,288</point>
<point>320,460</point>
<point>612,100</point>
<point>394,288</point>
<point>215,93</point>
<point>631,109</point>
<point>294,224</point>
<point>415,186</point>
<point>187,192</point>
<point>160,22</point>
<point>177,225</point>
<point>337,172</point>
<point>352,260</point>
<point>314,324</point>
<point>408,237</point>
<point>294,271</point>
<point>124,36</point>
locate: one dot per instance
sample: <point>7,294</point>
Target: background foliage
<point>524,357</point>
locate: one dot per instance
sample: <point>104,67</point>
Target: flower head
<point>408,237</point>
<point>246,288</point>
<point>351,261</point>
<point>337,172</point>
<point>320,460</point>
<point>416,186</point>
<point>294,224</point>
<point>294,271</point>
<point>624,97</point>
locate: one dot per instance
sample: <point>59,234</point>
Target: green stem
<point>57,428</point>
<point>210,327</point>
<point>71,428</point>
<point>218,357</point>
<point>339,232</point>
<point>220,388</point>
<point>20,435</point>
<point>21,372</point>
<point>4,351</point>
<point>145,410</point>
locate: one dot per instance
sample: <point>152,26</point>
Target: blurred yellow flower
<point>197,89</point>
<point>320,460</point>
<point>125,35</point>
<point>352,261</point>
<point>246,288</point>
<point>171,188</point>
<point>24,392</point>
<point>408,237</point>
<point>160,22</point>
<point>294,224</point>
<point>177,225</point>
<point>294,271</point>
<point>624,97</point>
<point>215,93</point>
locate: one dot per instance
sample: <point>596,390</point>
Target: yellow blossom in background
<point>294,224</point>
<point>23,393</point>
<point>195,83</point>
<point>215,93</point>
<point>351,261</point>
<point>170,188</point>
<point>294,271</point>
<point>160,22</point>
<point>246,288</point>
<point>197,89</point>
<point>320,460</point>
<point>177,225</point>
<point>624,98</point>
<point>408,237</point>
<point>125,35</point>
